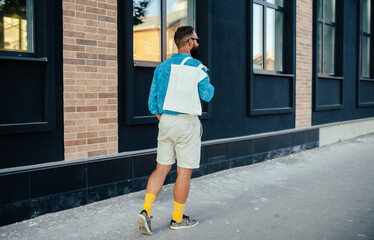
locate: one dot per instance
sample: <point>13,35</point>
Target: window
<point>326,35</point>
<point>154,25</point>
<point>268,35</point>
<point>16,25</point>
<point>365,38</point>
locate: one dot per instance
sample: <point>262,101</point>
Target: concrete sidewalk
<point>324,193</point>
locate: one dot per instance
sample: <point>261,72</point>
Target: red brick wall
<point>90,78</point>
<point>304,62</point>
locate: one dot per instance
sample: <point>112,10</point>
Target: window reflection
<point>365,58</point>
<point>319,46</point>
<point>268,36</point>
<point>326,31</point>
<point>319,10</point>
<point>147,30</point>
<point>274,40</point>
<point>366,16</point>
<point>365,38</point>
<point>277,2</point>
<point>330,10</point>
<point>179,13</point>
<point>257,37</point>
<point>329,49</point>
<point>16,25</point>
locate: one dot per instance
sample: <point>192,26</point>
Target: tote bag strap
<point>201,66</point>
<point>185,60</point>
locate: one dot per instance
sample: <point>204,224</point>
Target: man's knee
<point>184,173</point>
<point>163,169</point>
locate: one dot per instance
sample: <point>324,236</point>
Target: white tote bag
<point>182,94</point>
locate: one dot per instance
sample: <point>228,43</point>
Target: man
<point>179,133</point>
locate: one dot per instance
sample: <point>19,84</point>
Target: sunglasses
<point>197,39</point>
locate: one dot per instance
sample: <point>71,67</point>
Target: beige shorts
<point>179,136</point>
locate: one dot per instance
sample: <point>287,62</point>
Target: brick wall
<point>304,62</point>
<point>90,78</point>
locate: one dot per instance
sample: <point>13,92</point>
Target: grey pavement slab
<point>324,193</point>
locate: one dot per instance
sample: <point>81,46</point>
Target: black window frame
<point>288,61</point>
<point>163,33</point>
<point>324,22</point>
<point>361,79</point>
<point>25,54</point>
<point>338,57</point>
<point>47,38</point>
<point>276,7</point>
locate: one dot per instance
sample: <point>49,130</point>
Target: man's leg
<point>154,186</point>
<point>155,183</point>
<point>181,190</point>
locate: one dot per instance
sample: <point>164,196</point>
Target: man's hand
<point>158,116</point>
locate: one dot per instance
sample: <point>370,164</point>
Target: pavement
<point>324,193</point>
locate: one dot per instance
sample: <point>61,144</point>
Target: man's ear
<point>190,43</point>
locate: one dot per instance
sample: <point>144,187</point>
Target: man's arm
<point>152,99</point>
<point>206,90</point>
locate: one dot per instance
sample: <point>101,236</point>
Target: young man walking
<point>180,131</point>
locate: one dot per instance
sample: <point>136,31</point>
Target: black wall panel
<point>142,84</point>
<point>329,92</point>
<point>366,92</point>
<point>31,124</point>
<point>23,92</point>
<point>272,92</point>
<point>354,92</point>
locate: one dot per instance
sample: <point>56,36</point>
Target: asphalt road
<point>324,193</point>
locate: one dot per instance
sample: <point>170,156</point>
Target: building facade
<point>290,75</point>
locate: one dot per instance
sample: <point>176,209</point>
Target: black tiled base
<point>14,212</point>
<point>239,162</point>
<point>108,191</point>
<point>30,193</point>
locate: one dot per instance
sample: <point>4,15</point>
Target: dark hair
<point>181,34</point>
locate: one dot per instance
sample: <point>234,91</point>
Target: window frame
<point>47,37</point>
<point>289,60</point>
<point>276,7</point>
<point>21,55</point>
<point>338,57</point>
<point>324,22</point>
<point>163,33</point>
<point>361,33</point>
<point>359,51</point>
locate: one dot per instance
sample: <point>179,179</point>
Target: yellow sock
<point>148,202</point>
<point>178,211</point>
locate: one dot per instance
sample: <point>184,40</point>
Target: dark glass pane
<point>258,34</point>
<point>277,2</point>
<point>147,30</point>
<point>365,56</point>
<point>179,13</point>
<point>329,50</point>
<point>16,25</point>
<point>319,10</point>
<point>366,16</point>
<point>274,40</point>
<point>319,47</point>
<point>330,10</point>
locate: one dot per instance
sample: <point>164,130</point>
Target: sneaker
<point>186,222</point>
<point>144,223</point>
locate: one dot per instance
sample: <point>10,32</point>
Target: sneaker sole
<point>143,226</point>
<point>184,227</point>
